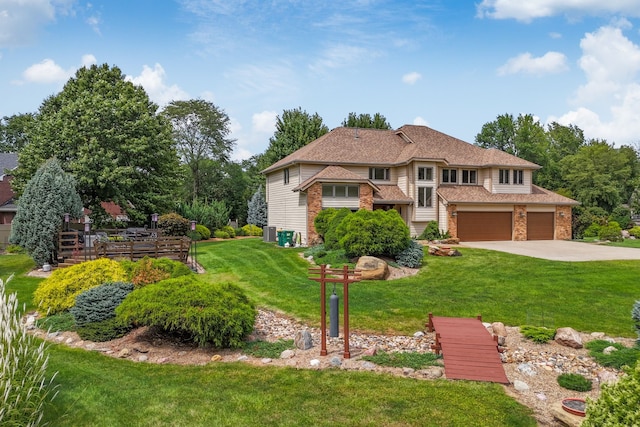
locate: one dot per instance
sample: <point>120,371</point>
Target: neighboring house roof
<point>333,174</point>
<point>376,147</point>
<point>473,194</point>
<point>8,161</point>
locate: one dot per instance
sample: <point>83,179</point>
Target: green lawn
<point>502,287</point>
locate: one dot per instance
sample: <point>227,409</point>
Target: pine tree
<point>47,197</point>
<point>257,209</point>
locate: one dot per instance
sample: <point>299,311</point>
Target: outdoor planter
<point>574,406</point>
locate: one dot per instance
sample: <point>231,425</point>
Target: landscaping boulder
<point>372,268</point>
<point>443,251</point>
<point>303,340</point>
<point>568,337</point>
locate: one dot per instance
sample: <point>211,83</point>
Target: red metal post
<point>345,275</point>
<point>323,311</point>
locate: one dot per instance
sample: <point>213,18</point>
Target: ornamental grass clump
<point>219,314</point>
<point>24,388</point>
<point>537,334</point>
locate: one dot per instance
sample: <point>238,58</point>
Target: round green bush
<point>538,334</point>
<point>375,233</point>
<point>323,219</point>
<point>229,230</point>
<point>412,256</point>
<point>431,232</point>
<point>611,232</point>
<point>331,235</point>
<point>173,224</point>
<point>575,382</point>
<point>209,313</point>
<point>219,234</point>
<point>250,230</point>
<point>203,232</point>
<point>99,303</point>
<point>618,403</point>
<point>105,330</point>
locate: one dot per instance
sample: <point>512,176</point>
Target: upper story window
<point>340,190</point>
<point>449,176</point>
<point>503,176</point>
<point>469,176</point>
<point>518,176</point>
<point>425,174</point>
<point>286,176</point>
<point>382,174</point>
<point>425,197</point>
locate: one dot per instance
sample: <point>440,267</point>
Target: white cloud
<point>420,121</point>
<point>48,71</point>
<point>263,79</point>
<point>549,63</point>
<point>94,23</point>
<point>207,95</point>
<point>21,20</point>
<point>411,78</point>
<point>341,56</point>
<point>153,81</point>
<point>607,104</point>
<point>526,11</point>
<point>264,122</point>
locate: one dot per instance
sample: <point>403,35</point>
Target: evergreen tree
<point>257,209</point>
<point>47,197</point>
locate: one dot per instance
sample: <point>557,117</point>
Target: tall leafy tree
<point>14,132</point>
<point>201,132</point>
<point>294,129</point>
<point>500,134</point>
<point>563,141</point>
<point>378,121</point>
<point>523,136</point>
<point>106,133</point>
<point>47,197</point>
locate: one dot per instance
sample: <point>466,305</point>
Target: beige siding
<point>403,174</point>
<point>287,210</point>
<point>511,188</point>
<point>443,221</point>
<point>307,171</point>
<point>340,202</point>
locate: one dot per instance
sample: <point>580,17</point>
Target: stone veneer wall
<point>520,222</point>
<point>452,225</point>
<point>314,206</point>
<point>366,197</point>
<point>563,223</point>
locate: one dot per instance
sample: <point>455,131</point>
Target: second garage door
<point>484,226</point>
<point>540,226</point>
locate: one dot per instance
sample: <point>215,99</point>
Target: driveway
<point>559,250</point>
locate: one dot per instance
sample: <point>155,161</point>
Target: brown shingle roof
<point>351,146</point>
<point>477,194</point>
<point>333,174</point>
<point>391,194</point>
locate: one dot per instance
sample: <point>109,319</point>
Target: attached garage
<point>485,226</point>
<point>540,226</point>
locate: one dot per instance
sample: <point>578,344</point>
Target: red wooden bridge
<point>468,349</point>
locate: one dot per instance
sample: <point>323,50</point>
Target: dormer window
<point>503,176</point>
<point>469,176</point>
<point>449,176</point>
<point>380,174</point>
<point>518,176</point>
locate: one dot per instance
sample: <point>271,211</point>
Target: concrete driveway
<point>559,250</point>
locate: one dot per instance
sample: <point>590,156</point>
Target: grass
<point>96,390</point>
<point>404,359</point>
<point>624,356</point>
<point>23,285</point>
<point>267,349</point>
<point>513,289</point>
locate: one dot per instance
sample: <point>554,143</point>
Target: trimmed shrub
<point>229,230</point>
<point>24,388</point>
<point>622,216</point>
<point>219,234</point>
<point>593,230</point>
<point>99,303</point>
<point>58,292</point>
<point>611,232</point>
<point>618,403</point>
<point>152,270</point>
<point>635,232</point>
<point>331,236</point>
<point>251,230</point>
<point>538,334</point>
<point>57,322</point>
<point>203,232</point>
<point>173,224</point>
<point>105,330</point>
<point>209,313</point>
<point>323,220</point>
<point>574,382</point>
<point>376,233</point>
<point>431,232</point>
<point>412,256</point>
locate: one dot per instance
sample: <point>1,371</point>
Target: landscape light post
<point>154,225</point>
<point>194,255</point>
<point>66,221</point>
<point>87,229</point>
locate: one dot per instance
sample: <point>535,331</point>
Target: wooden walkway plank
<point>469,351</point>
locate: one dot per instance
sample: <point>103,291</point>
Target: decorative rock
<point>418,334</point>
<point>314,363</point>
<point>30,322</point>
<point>125,352</point>
<point>164,360</point>
<point>216,358</point>
<point>372,351</point>
<point>499,329</point>
<point>597,335</point>
<point>408,371</point>
<point>606,377</point>
<point>143,358</point>
<point>303,340</point>
<point>565,417</point>
<point>568,337</point>
<point>609,350</point>
<point>520,386</point>
<point>69,340</point>
<point>368,366</point>
<point>372,268</point>
<point>242,358</point>
<point>287,354</point>
<point>266,360</point>
<point>432,372</point>
<point>527,369</point>
<point>335,361</point>
<point>541,396</point>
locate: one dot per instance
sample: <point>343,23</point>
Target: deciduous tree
<point>378,121</point>
<point>14,132</point>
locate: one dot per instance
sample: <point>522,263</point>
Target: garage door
<point>540,226</point>
<point>482,226</point>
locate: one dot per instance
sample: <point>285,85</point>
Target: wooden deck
<point>468,349</point>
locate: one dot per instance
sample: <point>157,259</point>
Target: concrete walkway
<point>559,250</point>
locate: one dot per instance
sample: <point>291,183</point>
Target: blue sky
<point>452,65</point>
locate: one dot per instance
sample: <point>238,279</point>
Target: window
<point>503,176</point>
<point>449,176</point>
<point>286,176</point>
<point>379,173</point>
<point>329,190</point>
<point>518,176</point>
<point>424,197</point>
<point>425,174</point>
<point>469,176</point>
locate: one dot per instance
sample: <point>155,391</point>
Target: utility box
<point>284,237</point>
<point>269,234</point>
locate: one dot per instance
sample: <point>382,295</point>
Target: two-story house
<point>474,193</point>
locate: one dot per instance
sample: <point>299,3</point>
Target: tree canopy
<point>201,133</point>
<point>14,132</point>
<point>106,133</point>
<point>378,121</point>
